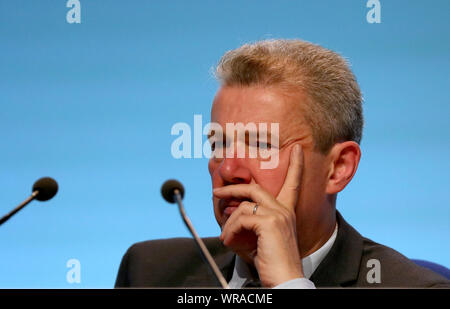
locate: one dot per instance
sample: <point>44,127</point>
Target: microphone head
<point>47,188</point>
<point>168,190</point>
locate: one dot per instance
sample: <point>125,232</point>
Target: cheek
<point>212,168</point>
<point>315,175</point>
<point>314,181</point>
<point>215,182</point>
<point>272,180</point>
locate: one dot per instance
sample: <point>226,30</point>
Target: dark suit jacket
<point>177,263</point>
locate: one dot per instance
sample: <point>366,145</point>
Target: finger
<point>245,209</point>
<point>240,224</point>
<point>250,208</point>
<point>246,191</point>
<point>291,187</point>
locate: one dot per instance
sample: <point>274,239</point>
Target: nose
<point>234,171</point>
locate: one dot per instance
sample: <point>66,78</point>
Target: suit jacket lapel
<point>204,276</point>
<point>341,265</point>
<point>339,268</point>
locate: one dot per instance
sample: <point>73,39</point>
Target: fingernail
<point>296,150</point>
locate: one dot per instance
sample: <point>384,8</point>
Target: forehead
<point>258,105</point>
<point>247,104</point>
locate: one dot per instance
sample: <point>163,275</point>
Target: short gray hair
<point>334,107</point>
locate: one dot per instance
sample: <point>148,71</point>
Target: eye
<point>216,145</point>
<point>264,145</point>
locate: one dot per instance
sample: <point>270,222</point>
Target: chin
<point>220,219</point>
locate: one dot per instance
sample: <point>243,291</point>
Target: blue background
<point>92,105</point>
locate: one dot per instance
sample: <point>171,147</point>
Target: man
<point>280,227</point>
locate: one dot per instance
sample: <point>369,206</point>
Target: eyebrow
<point>269,135</point>
<point>211,133</point>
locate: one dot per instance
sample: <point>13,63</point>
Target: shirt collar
<point>242,272</point>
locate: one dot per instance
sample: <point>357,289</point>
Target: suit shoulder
<point>396,270</point>
<point>161,262</point>
<point>170,246</point>
<point>159,245</point>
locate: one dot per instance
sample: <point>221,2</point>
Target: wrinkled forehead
<point>257,105</point>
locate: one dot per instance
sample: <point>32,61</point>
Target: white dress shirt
<point>242,273</point>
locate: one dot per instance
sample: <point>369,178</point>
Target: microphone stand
<point>22,205</point>
<point>199,242</point>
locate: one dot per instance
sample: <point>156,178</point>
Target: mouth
<point>228,206</point>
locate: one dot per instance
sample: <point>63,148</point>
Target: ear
<point>344,159</point>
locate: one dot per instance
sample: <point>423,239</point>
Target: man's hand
<point>269,235</point>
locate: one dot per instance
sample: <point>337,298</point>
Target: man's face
<point>268,105</point>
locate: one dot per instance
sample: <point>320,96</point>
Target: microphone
<point>43,190</point>
<point>173,192</point>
